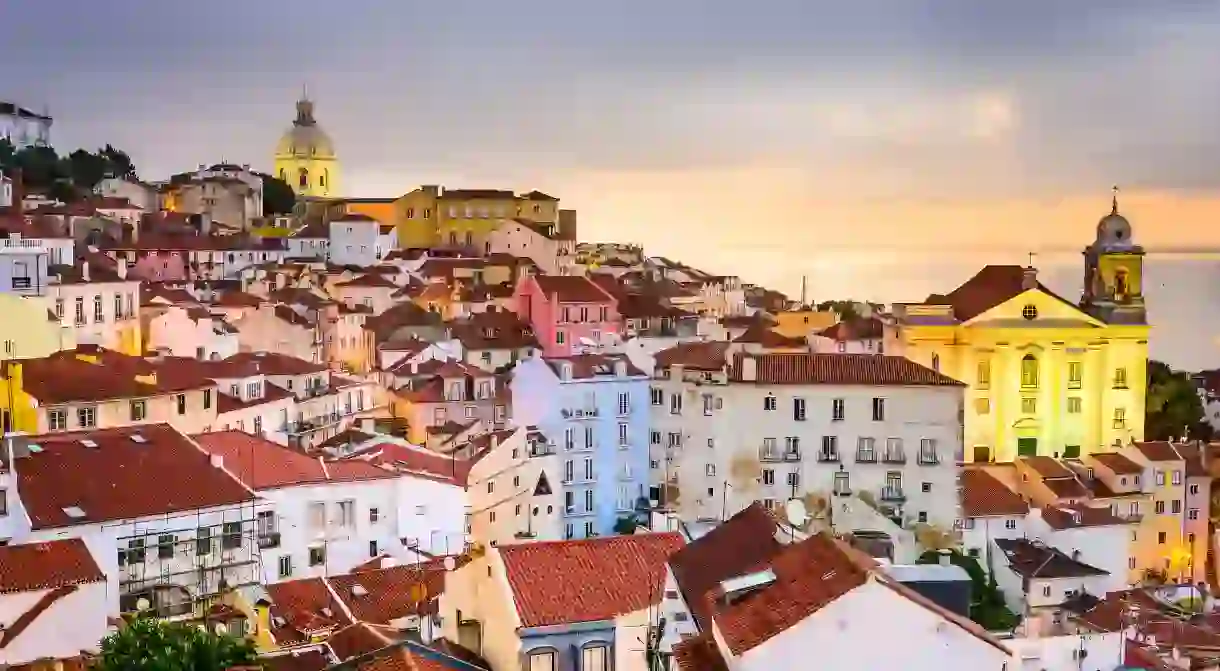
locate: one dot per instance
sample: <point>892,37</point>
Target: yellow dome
<point>305,139</point>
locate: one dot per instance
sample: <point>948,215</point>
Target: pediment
<point>1048,310</point>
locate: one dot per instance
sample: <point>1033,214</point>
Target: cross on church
<point>1031,259</point>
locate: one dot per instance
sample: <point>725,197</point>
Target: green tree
<point>8,154</point>
<point>118,163</point>
<point>847,309</point>
<point>278,196</point>
<point>86,169</point>
<point>987,607</point>
<point>147,644</point>
<point>1173,407</point>
<point>40,166</point>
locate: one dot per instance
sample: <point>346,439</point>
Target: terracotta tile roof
<point>589,366</point>
<point>415,461</point>
<point>46,565</point>
<point>1158,450</point>
<point>274,363</point>
<point>372,280</point>
<point>761,335</point>
<point>493,330</point>
<point>1117,463</point>
<point>859,328</point>
<point>809,575</point>
<point>360,638</point>
<point>237,299</point>
<point>561,582</point>
<point>842,369</point>
<point>703,356</point>
<point>1193,456</point>
<point>990,287</point>
<point>743,544</point>
<point>315,658</point>
<point>262,464</point>
<point>571,289</point>
<point>271,394</point>
<point>1066,488</point>
<point>1075,516</point>
<point>746,321</point>
<point>1047,467</point>
<point>93,374</point>
<point>476,194</point>
<point>1029,560</point>
<point>297,610</point>
<point>985,496</point>
<point>699,653</point>
<point>538,195</point>
<point>387,594</point>
<point>114,477</point>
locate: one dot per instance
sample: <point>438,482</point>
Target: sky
<point>771,139</point>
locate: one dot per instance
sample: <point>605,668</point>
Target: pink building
<point>569,314</point>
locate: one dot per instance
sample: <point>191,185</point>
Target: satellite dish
<point>450,564</point>
<point>142,604</point>
<point>795,511</point>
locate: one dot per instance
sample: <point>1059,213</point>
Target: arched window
<point>469,239</point>
<point>303,178</point>
<point>452,239</point>
<point>1029,371</point>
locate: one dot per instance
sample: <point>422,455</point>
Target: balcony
<point>828,456</point>
<point>525,535</point>
<point>540,449</point>
<point>22,283</point>
<point>269,540</point>
<point>768,454</point>
<point>866,457</point>
<point>792,455</point>
<point>894,457</point>
<point>893,494</point>
<point>928,459</point>
<point>579,413</point>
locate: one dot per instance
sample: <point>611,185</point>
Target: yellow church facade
<point>1044,376</point>
<point>305,156</point>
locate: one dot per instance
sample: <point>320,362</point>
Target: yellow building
<point>432,215</point>
<point>1044,376</point>
<point>381,209</point>
<point>305,157</point>
<point>28,330</point>
<point>803,321</point>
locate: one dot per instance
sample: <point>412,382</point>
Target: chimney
<point>121,268</point>
<point>388,562</point>
<point>748,369</point>
<point>1029,278</point>
<point>205,224</point>
<point>218,461</point>
<point>84,270</point>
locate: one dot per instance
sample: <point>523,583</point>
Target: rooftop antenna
<point>804,291</point>
<point>1032,256</point>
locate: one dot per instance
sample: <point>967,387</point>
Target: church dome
<point>1113,230</point>
<point>305,139</point>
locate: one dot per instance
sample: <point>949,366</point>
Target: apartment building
<point>99,302</point>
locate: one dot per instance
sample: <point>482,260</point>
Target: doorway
<point>1027,447</point>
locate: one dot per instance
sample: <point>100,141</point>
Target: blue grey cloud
<point>1090,92</point>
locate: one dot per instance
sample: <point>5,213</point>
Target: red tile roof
<point>370,280</point>
<point>94,374</point>
<point>413,460</point>
<point>990,287</point>
<point>1158,450</point>
<point>262,464</point>
<point>46,565</point>
<point>985,496</point>
<point>273,363</point>
<point>1117,463</point>
<point>699,653</point>
<point>703,356</point>
<point>560,582</point>
<point>842,369</point>
<point>743,544</point>
<point>589,366</point>
<point>359,638</point>
<point>114,477</point>
<point>1074,516</point>
<point>296,610</point>
<point>572,289</point>
<point>1047,467</point>
<point>860,328</point>
<point>388,594</point>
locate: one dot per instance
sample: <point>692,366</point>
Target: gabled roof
<point>991,286</point>
<point>46,565</point>
<point>120,474</point>
<point>563,582</point>
<point>1032,560</point>
<point>840,369</point>
<point>262,464</point>
<point>985,496</point>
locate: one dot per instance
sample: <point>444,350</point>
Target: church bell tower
<point>1114,271</point>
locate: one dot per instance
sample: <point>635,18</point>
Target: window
<point>1160,478</point>
<point>86,417</point>
<point>1176,478</point>
<point>317,555</point>
<point>1160,538</point>
<point>543,661</point>
<point>588,503</point>
<point>138,411</point>
<point>118,306</point>
<point>80,311</point>
<point>317,515</point>
<point>657,396</point>
<point>1192,514</point>
<point>588,469</point>
<point>1029,372</point>
<point>624,403</point>
<point>165,546</point>
<point>1175,507</point>
<point>373,547</point>
<point>57,420</point>
<point>59,309</point>
<point>830,448</point>
<point>594,658</point>
<point>1046,589</point>
<point>842,483</point>
<point>838,410</point>
<point>1120,418</point>
<point>675,404</point>
<point>203,541</point>
<point>768,476</point>
<point>982,406</point>
<point>98,315</point>
<point>285,566</point>
<point>1159,507</point>
<point>866,450</point>
<point>589,440</point>
<point>794,479</point>
<point>559,337</point>
<point>769,403</point>
<point>624,439</point>
<point>1194,489</point>
<point>135,551</point>
<point>983,375</point>
<point>878,409</point>
<point>207,399</point>
<point>709,404</point>
<point>180,401</point>
<point>1074,405</point>
<point>1075,374</point>
<point>798,409</point>
<point>1010,524</point>
<point>936,362</point>
<point>1030,311</point>
<point>230,535</point>
<point>347,513</point>
<point>1029,405</point>
<point>1120,378</point>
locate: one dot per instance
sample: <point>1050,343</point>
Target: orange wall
<point>382,212</point>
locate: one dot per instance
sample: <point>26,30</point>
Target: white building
<point>53,603</point>
<point>356,240</point>
<point>166,522</point>
<point>513,488</point>
<point>98,300</point>
<point>23,127</point>
<point>191,332</point>
<point>990,510</point>
<point>730,428</point>
<point>767,598</point>
<point>1040,582</point>
<point>331,516</point>
<point>142,195</point>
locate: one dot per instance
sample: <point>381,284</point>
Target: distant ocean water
<point>1182,289</point>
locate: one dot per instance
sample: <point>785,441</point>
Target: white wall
<point>978,532</point>
<point>354,243</point>
<point>846,634</point>
<point>75,622</point>
<point>1103,651</point>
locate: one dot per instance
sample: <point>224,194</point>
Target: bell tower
<point>1114,271</point>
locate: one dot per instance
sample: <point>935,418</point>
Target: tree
<point>40,166</point>
<point>987,607</point>
<point>1173,407</point>
<point>118,163</point>
<point>278,196</point>
<point>86,169</point>
<point>8,154</point>
<point>148,644</point>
